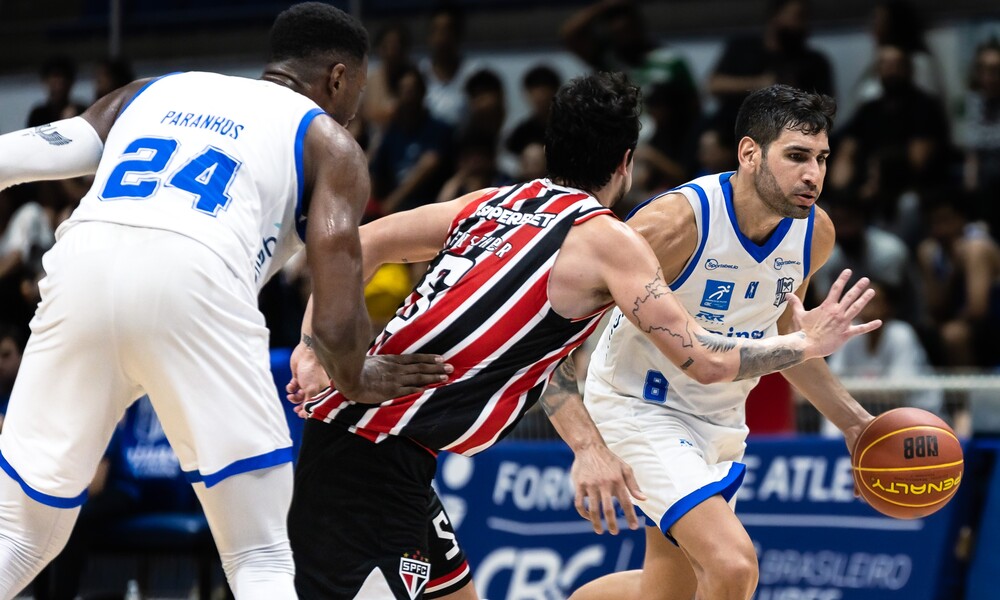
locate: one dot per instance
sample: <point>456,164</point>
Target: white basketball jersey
<point>732,286</point>
<point>212,157</point>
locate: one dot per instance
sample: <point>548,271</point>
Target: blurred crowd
<point>911,187</point>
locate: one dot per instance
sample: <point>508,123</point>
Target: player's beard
<point>774,197</point>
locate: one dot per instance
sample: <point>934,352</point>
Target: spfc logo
<point>414,574</point>
<point>784,288</point>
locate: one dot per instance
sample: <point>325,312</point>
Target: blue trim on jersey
<point>244,465</point>
<point>41,497</point>
<point>143,89</point>
<point>643,204</point>
<point>696,258</point>
<point>300,138</point>
<point>727,487</point>
<point>807,254</point>
<point>758,253</point>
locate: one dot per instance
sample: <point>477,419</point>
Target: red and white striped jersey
<point>483,305</point>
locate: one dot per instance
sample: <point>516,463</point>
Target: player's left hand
<point>600,478</point>
<point>851,435</point>
<point>308,375</point>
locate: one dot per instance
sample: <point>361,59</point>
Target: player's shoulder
<point>667,222</point>
<point>325,135</point>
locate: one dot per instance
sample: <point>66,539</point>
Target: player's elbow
<point>710,369</point>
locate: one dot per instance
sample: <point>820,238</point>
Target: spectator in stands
<point>111,74</point>
<point>893,351</point>
<point>531,162</point>
<point>407,166</point>
<point>392,44</point>
<point>58,74</point>
<point>611,35</point>
<point>445,70</point>
<point>139,473</point>
<point>716,153</point>
<point>780,55</point>
<point>903,122</point>
<point>477,167</point>
<point>869,251</point>
<point>982,131</point>
<point>12,342</point>
<point>664,160</point>
<point>487,105</point>
<point>898,23</point>
<point>540,85</point>
<point>960,266</point>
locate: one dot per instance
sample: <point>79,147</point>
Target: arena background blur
<point>457,99</point>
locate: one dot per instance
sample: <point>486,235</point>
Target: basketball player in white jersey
<point>201,182</point>
<point>737,249</point>
<point>592,262</point>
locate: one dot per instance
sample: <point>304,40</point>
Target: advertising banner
<point>512,507</point>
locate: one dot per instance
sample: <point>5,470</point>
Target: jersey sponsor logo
<point>785,287</point>
<point>753,334</point>
<point>781,262</point>
<point>751,290</point>
<point>710,317</point>
<point>712,264</point>
<point>415,573</point>
<point>717,294</point>
<point>511,217</point>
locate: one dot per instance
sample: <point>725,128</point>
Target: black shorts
<point>360,506</point>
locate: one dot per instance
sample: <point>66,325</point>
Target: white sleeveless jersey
<point>212,157</point>
<point>732,286</point>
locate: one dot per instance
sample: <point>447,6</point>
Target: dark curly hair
<point>767,112</point>
<point>594,121</point>
<point>312,28</point>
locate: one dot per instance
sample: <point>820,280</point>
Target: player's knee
<point>261,560</point>
<point>731,574</point>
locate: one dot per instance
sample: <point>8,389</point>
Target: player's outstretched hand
<point>829,325</point>
<point>389,376</point>
<point>600,478</point>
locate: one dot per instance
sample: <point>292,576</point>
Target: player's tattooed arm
<point>655,289</point>
<point>754,360</point>
<point>562,388</point>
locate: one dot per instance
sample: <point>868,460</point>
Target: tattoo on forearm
<point>656,289</point>
<point>562,387</point>
<point>687,364</point>
<point>754,363</point>
<point>715,343</point>
<point>307,340</point>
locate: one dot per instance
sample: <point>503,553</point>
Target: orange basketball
<point>907,463</point>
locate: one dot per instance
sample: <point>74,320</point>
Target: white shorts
<point>679,460</point>
<point>127,311</point>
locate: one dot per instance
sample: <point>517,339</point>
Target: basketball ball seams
<point>898,431</point>
<point>917,468</point>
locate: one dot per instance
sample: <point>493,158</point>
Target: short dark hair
<point>767,112</point>
<point>311,28</point>
<point>594,121</point>
<point>542,76</point>
<point>483,81</point>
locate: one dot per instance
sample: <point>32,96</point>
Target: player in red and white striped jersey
<point>519,277</point>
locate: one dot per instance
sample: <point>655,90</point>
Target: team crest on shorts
<point>415,572</point>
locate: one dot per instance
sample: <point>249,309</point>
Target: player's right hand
<point>601,479</point>
<point>829,325</point>
<point>389,376</point>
